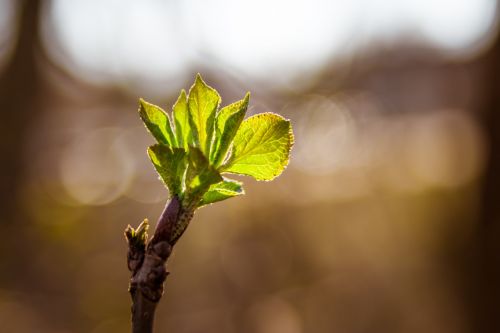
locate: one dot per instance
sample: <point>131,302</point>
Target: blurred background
<point>386,220</point>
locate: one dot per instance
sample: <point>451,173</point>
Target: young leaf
<point>170,163</point>
<point>157,122</point>
<point>203,102</point>
<point>200,175</point>
<point>181,120</point>
<point>261,147</point>
<point>211,142</point>
<point>221,191</point>
<point>227,121</point>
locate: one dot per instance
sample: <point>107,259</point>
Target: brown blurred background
<point>387,219</point>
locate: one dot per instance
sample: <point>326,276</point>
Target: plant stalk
<point>147,262</point>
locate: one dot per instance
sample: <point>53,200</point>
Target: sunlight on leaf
<point>181,120</point>
<point>203,102</point>
<point>261,147</point>
<point>170,164</point>
<point>206,142</point>
<point>157,122</point>
<point>221,191</point>
<point>200,175</point>
<point>227,122</point>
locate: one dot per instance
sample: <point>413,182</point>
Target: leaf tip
<point>199,79</point>
<point>141,104</point>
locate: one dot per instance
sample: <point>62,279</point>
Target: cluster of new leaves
<point>199,143</point>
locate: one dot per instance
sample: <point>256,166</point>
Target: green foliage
<point>261,147</point>
<point>181,119</point>
<point>170,163</point>
<point>228,120</point>
<point>202,142</point>
<point>200,175</point>
<point>157,122</point>
<point>221,191</point>
<point>203,102</point>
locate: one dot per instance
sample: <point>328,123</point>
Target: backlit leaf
<point>157,122</point>
<point>200,175</point>
<point>203,102</point>
<point>221,191</point>
<point>206,142</point>
<point>261,147</point>
<point>170,163</point>
<point>181,120</point>
<point>227,122</point>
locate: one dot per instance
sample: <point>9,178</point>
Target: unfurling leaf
<point>221,191</point>
<point>157,122</point>
<point>170,163</point>
<point>200,175</point>
<point>203,102</point>
<point>198,142</point>
<point>181,120</point>
<point>227,122</point>
<point>261,147</point>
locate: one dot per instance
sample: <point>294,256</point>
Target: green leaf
<point>157,122</point>
<point>227,122</point>
<point>200,175</point>
<point>170,163</point>
<point>205,142</point>
<point>181,119</point>
<point>261,147</point>
<point>203,102</point>
<point>221,191</point>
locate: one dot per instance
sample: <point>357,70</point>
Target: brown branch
<point>147,261</point>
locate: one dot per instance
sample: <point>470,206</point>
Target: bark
<point>147,262</point>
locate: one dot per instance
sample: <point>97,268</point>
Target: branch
<point>147,260</point>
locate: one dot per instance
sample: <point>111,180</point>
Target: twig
<point>147,260</point>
